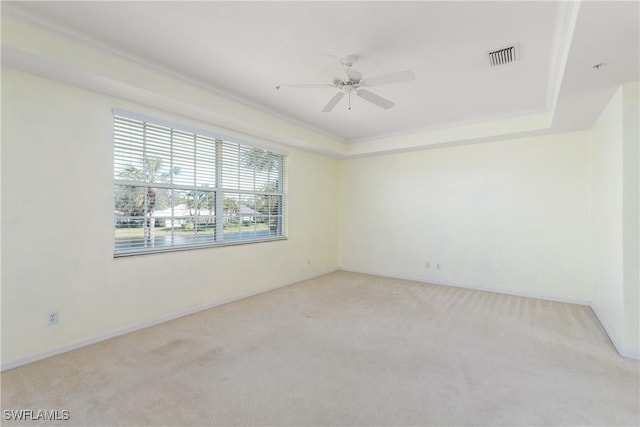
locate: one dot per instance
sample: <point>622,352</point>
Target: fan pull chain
<point>349,100</point>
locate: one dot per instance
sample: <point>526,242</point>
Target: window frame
<point>275,199</point>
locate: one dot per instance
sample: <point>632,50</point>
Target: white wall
<point>508,215</point>
<point>57,204</point>
<point>631,216</point>
<point>616,222</point>
<point>606,165</point>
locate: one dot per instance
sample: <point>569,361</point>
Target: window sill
<point>151,251</point>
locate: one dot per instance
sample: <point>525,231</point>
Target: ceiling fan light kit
<point>355,84</point>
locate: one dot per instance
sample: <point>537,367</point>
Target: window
<point>177,189</point>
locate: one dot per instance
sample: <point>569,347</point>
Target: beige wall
<point>57,204</point>
<point>509,215</point>
<point>606,193</point>
<point>631,216</point>
<point>616,223</point>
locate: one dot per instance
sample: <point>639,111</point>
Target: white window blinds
<point>177,189</point>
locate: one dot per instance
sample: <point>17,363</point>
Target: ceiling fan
<point>354,83</point>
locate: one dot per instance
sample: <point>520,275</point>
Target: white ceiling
<point>245,49</point>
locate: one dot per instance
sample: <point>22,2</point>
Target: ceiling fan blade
<point>402,76</point>
<point>308,86</point>
<point>375,99</point>
<point>333,102</point>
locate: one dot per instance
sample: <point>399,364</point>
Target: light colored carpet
<point>347,349</point>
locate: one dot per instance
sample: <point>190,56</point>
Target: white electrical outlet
<point>52,318</point>
<point>427,264</point>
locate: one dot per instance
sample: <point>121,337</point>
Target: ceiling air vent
<point>505,55</point>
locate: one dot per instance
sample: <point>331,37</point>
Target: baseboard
<point>139,326</point>
<point>621,351</point>
<point>478,288</point>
